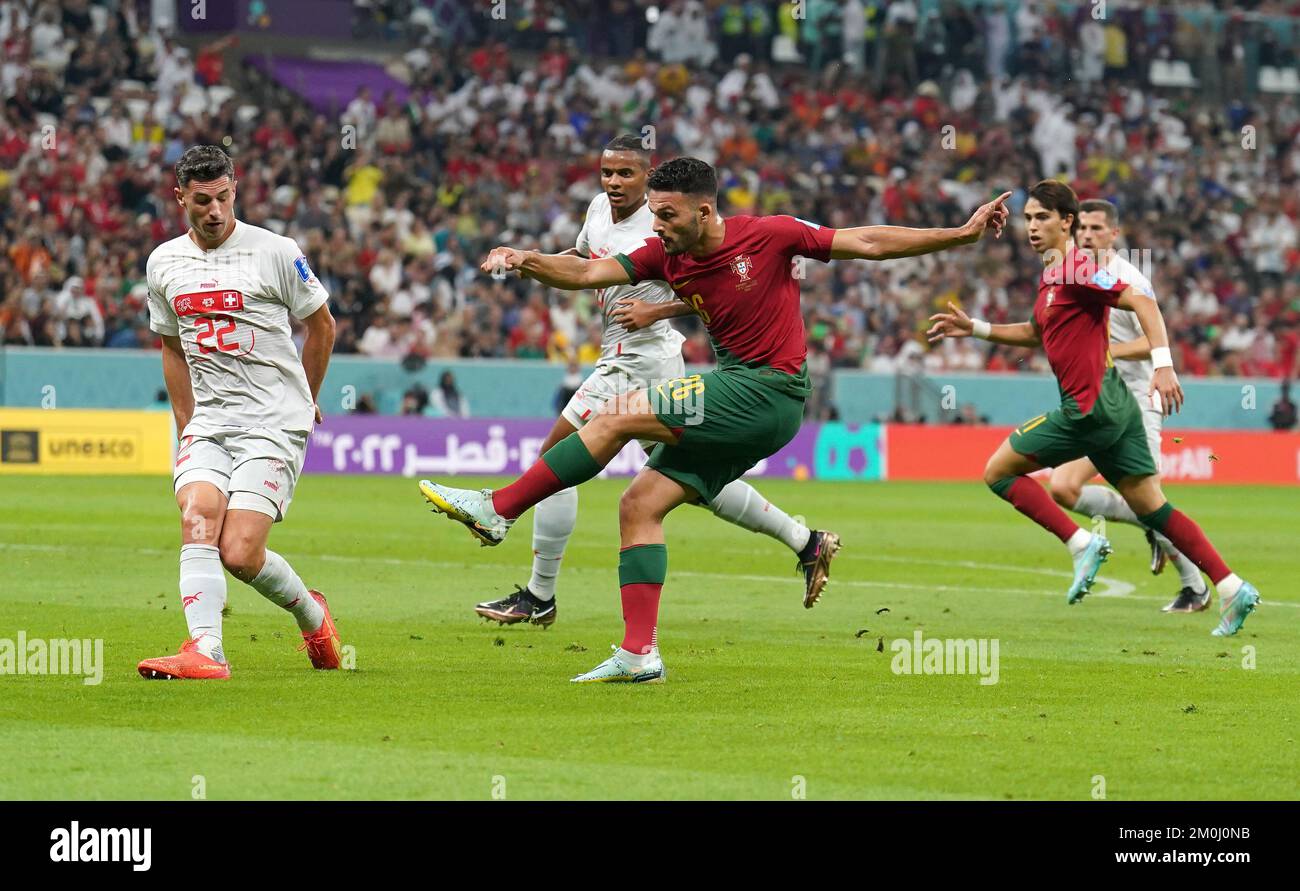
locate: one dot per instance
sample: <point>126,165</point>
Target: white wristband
<point>981,328</point>
<point>1162,358</point>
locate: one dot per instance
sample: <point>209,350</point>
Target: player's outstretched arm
<point>565,271</point>
<point>956,323</point>
<point>892,242</point>
<point>316,350</point>
<point>1165,380</point>
<point>176,377</point>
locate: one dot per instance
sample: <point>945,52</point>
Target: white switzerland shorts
<point>1153,421</point>
<point>256,468</point>
<point>611,378</point>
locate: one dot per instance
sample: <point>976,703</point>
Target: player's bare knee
<point>200,523</point>
<point>1065,492</point>
<point>993,472</point>
<point>631,508</point>
<point>242,556</point>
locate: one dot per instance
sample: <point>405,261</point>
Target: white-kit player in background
<point>639,348</point>
<point>1098,230</point>
<point>221,296</point>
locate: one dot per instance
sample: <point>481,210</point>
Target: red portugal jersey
<point>747,291</point>
<point>1072,315</point>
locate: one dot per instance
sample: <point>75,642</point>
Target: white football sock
<point>278,583</point>
<point>1229,585</point>
<point>553,522</point>
<point>1188,573</point>
<point>1078,542</point>
<point>1103,501</point>
<point>203,596</point>
<point>741,504</point>
<point>636,660</point>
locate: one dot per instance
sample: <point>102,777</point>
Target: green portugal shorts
<point>727,421</point>
<point>1112,435</point>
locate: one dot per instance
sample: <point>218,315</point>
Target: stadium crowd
<point>861,112</point>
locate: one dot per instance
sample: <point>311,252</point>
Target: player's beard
<point>684,242</point>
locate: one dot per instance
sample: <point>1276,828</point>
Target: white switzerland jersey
<point>230,307</point>
<point>602,237</point>
<point>1125,327</point>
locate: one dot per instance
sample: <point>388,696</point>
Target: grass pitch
<point>763,698</point>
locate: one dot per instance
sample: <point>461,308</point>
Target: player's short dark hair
<point>626,142</point>
<point>203,163</point>
<point>1057,196</point>
<point>690,176</point>
<point>1092,205</point>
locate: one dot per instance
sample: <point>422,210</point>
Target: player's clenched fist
<point>950,324</point>
<point>503,259</point>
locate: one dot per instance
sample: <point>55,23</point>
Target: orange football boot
<point>322,645</point>
<point>187,664</point>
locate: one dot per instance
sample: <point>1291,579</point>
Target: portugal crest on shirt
<point>742,266</point>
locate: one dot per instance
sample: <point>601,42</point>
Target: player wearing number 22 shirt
<point>220,297</point>
<point>741,276</point>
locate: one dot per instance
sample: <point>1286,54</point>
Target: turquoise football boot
<point>1234,610</point>
<point>1086,567</point>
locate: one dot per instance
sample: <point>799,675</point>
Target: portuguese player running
<point>1129,347</point>
<point>1098,417</point>
<point>738,275</point>
<point>221,296</point>
<point>638,349</point>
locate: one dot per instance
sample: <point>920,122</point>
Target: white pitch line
<point>1115,588</point>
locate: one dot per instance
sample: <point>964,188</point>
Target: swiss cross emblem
<point>742,266</point>
<point>230,300</point>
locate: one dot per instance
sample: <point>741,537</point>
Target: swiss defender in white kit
<point>1097,233</point>
<point>639,348</point>
<point>221,296</point>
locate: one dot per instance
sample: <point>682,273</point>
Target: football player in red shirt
<point>740,275</point>
<point>1098,417</point>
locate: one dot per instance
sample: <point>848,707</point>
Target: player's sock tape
<point>1002,487</point>
<point>571,461</point>
<point>1157,518</point>
<point>645,564</point>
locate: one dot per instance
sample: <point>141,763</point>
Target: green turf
<point>760,691</point>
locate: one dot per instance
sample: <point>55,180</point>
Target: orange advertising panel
<point>918,452</point>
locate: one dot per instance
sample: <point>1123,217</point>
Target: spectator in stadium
<point>447,398</point>
<point>1283,416</point>
<point>500,141</point>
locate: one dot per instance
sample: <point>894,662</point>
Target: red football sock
<point>1032,500</point>
<point>640,616</point>
<point>1188,538</point>
<point>567,463</point>
<point>537,484</point>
